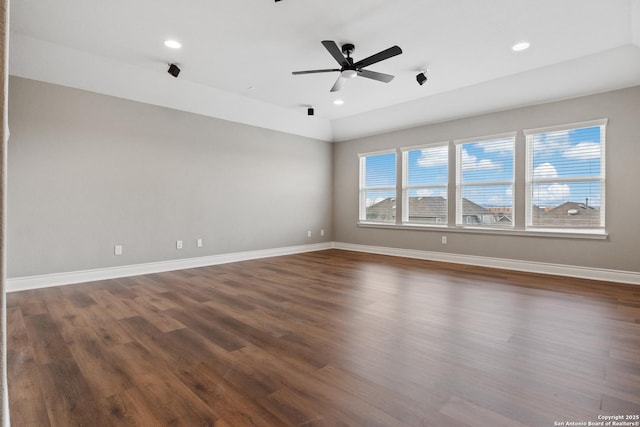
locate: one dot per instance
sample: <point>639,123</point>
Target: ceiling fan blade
<point>380,56</point>
<point>338,84</point>
<point>381,77</point>
<point>335,51</point>
<point>295,73</point>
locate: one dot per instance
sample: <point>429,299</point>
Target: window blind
<point>484,182</point>
<point>378,187</point>
<point>566,176</point>
<point>425,183</point>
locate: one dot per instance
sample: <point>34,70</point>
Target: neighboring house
<point>430,210</point>
<point>474,214</point>
<point>433,210</point>
<point>568,214</point>
<point>504,219</point>
<point>384,210</point>
<point>503,214</point>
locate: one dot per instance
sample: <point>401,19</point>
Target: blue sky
<point>562,154</point>
<point>380,171</point>
<point>567,154</point>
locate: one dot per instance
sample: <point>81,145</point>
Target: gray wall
<point>88,171</point>
<point>621,251</point>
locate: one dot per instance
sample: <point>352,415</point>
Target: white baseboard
<point>618,276</point>
<point>57,279</point>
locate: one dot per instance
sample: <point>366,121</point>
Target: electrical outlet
<point>444,240</point>
<point>117,250</point>
<point>309,233</point>
<point>178,244</point>
<point>199,243</point>
<point>322,232</point>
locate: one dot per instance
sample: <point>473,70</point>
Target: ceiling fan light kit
<point>350,69</point>
<point>348,74</point>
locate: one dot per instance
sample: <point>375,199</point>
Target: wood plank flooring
<point>329,338</point>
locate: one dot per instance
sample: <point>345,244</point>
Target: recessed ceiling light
<point>172,44</point>
<point>338,102</point>
<point>520,46</point>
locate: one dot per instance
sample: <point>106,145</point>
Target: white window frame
<point>406,187</point>
<point>529,134</point>
<point>459,184</point>
<point>362,189</point>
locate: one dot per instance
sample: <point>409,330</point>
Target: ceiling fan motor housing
<point>348,71</point>
<point>348,48</point>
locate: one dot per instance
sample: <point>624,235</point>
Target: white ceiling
<point>116,47</point>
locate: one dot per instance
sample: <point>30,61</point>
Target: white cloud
<point>371,202</point>
<point>545,170</point>
<point>436,156</point>
<point>583,151</point>
<point>469,161</point>
<point>544,194</point>
<point>431,192</point>
<point>551,142</point>
<point>496,200</point>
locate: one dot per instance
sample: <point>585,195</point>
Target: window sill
<point>563,233</point>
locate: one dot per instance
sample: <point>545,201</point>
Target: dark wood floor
<point>330,338</point>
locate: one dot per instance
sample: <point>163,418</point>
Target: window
<point>425,175</point>
<point>378,187</point>
<point>484,181</point>
<point>566,176</point>
<point>560,181</point>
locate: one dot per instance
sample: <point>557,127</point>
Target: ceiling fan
<point>349,69</point>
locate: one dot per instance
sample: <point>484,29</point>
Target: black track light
<point>421,78</point>
<point>310,111</point>
<point>173,70</point>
